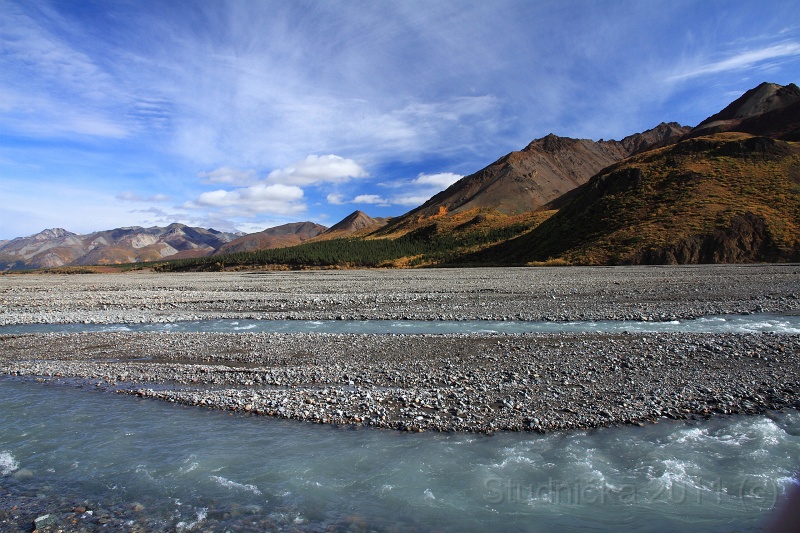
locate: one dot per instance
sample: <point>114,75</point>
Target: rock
<point>44,521</point>
<point>23,473</point>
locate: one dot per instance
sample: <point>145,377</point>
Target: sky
<point>240,115</point>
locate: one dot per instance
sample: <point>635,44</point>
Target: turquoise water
<point>194,469</point>
<point>755,323</point>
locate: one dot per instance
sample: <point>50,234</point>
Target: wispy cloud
<point>229,176</point>
<point>129,196</point>
<point>336,199</point>
<point>409,200</point>
<point>58,89</point>
<point>438,181</point>
<point>743,60</point>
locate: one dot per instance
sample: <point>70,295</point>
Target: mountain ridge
<point>525,180</point>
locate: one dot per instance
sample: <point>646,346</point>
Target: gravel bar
<point>458,382</point>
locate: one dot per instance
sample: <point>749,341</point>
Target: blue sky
<point>249,114</point>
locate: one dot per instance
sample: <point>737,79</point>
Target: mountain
<point>525,180</point>
<point>356,222</point>
<point>58,247</point>
<point>277,237</point>
<point>726,191</point>
<point>725,198</point>
<point>769,110</point>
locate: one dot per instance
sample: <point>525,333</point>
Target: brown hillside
<point>277,237</point>
<point>729,197</point>
<point>524,181</point>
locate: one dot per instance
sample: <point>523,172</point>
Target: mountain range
<point>58,247</point>
<point>727,190</point>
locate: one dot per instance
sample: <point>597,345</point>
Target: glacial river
<point>187,469</point>
<point>753,323</point>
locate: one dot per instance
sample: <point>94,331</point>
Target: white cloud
<point>373,199</point>
<point>336,199</point>
<point>318,169</point>
<point>742,60</point>
<point>415,192</point>
<point>274,199</point>
<point>411,201</point>
<point>229,176</point>
<point>441,181</point>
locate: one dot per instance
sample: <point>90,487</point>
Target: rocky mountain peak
<point>766,98</point>
<point>353,222</point>
<point>52,233</point>
<point>550,143</point>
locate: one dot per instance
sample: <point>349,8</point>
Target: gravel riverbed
<point>466,382</point>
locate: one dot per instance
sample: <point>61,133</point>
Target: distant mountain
<point>58,247</point>
<point>355,223</point>
<point>523,181</point>
<point>277,237</point>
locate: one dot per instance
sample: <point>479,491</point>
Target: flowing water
<point>754,323</point>
<point>195,469</point>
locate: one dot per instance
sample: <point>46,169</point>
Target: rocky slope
<point>523,181</point>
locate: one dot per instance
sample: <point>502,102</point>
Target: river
<point>162,467</point>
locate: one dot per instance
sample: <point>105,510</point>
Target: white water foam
<point>691,435</point>
<point>676,476</point>
<point>7,463</point>
<point>202,513</point>
<point>769,433</point>
<point>189,468</point>
<point>234,485</point>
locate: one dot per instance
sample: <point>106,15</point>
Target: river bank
<point>555,294</point>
